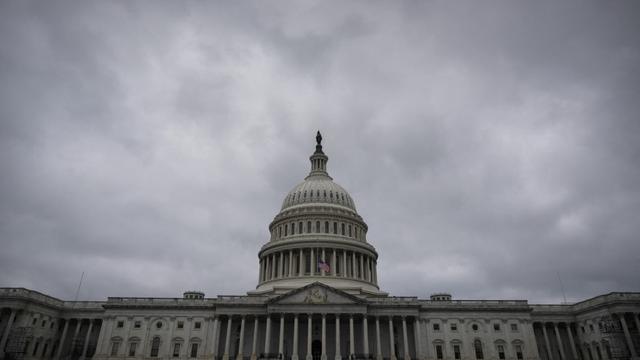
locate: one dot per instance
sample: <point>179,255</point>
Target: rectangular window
<point>194,350</point>
<point>456,352</point>
<point>496,327</point>
<point>500,352</point>
<point>114,348</point>
<point>176,350</point>
<point>454,327</point>
<point>180,324</point>
<point>349,230</point>
<point>197,325</point>
<point>436,327</point>
<point>35,349</point>
<point>120,324</point>
<point>591,327</point>
<point>137,324</point>
<point>44,323</point>
<point>335,228</point>
<point>439,352</point>
<point>519,352</point>
<point>514,327</point>
<point>132,349</point>
<point>35,320</point>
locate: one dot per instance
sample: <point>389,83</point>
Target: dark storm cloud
<point>491,147</point>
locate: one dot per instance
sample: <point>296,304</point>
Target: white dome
<point>318,190</point>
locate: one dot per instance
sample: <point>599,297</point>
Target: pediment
<point>317,293</point>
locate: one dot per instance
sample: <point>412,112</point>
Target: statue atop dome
<point>319,143</point>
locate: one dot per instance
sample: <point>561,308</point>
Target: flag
<point>323,266</point>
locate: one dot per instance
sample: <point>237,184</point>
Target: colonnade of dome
<point>318,236</point>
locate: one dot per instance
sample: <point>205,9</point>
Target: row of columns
<point>572,343</point>
<point>292,263</point>
<point>289,229</point>
<point>6,331</point>
<point>296,329</point>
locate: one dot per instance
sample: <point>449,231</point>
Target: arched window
<point>155,346</point>
<point>477,346</point>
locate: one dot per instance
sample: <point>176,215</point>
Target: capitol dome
<point>318,236</point>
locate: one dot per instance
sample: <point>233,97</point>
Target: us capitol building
<point>317,298</point>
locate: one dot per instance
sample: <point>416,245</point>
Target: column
<point>216,335</point>
<point>267,336</point>
<point>254,341</point>
<point>291,263</point>
<point>86,340</point>
<point>353,265</point>
<point>367,273</point>
<point>309,336</point>
<point>361,264</point>
<point>405,344</point>
<point>241,340</point>
<point>418,336</point>
<point>546,341</point>
<point>312,271</point>
<point>281,265</point>
<point>74,339</point>
<point>378,345</point>
<point>352,343</point>
<point>7,330</point>
<point>272,267</point>
<point>555,328</point>
<point>62,338</point>
<point>324,337</point>
<point>338,355</point>
<point>324,259</point>
<point>281,338</point>
<point>301,264</point>
<point>365,335</point>
<point>227,340</point>
<point>105,332</point>
<point>375,272</point>
<point>294,355</point>
<point>334,264</point>
<point>627,336</point>
<point>344,263</point>
<point>392,345</point>
<point>573,344</point>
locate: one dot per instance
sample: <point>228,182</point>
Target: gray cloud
<point>490,147</point>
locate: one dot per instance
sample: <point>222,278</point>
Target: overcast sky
<point>493,147</point>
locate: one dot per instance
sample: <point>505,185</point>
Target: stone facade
<point>317,298</point>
